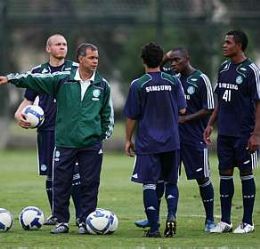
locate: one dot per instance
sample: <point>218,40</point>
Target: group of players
<point>174,113</point>
<point>156,106</point>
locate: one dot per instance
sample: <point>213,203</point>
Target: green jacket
<point>78,123</point>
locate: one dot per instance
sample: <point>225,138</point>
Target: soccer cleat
<point>155,234</point>
<point>83,229</point>
<point>170,228</point>
<point>51,220</point>
<point>222,227</point>
<point>244,228</point>
<point>209,224</point>
<point>142,223</point>
<point>60,228</point>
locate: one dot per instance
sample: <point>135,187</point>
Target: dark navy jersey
<point>154,100</point>
<point>199,95</point>
<point>46,102</point>
<point>238,88</point>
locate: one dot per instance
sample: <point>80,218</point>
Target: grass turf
<point>20,187</point>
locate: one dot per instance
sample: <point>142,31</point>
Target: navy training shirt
<point>154,100</point>
<point>46,102</point>
<point>238,88</point>
<point>199,95</point>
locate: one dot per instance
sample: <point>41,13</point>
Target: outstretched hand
<point>3,80</point>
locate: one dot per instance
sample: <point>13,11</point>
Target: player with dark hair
<point>238,91</point>
<point>200,104</point>
<point>193,150</point>
<point>56,47</point>
<point>84,119</point>
<point>153,104</point>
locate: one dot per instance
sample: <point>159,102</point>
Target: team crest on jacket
<point>239,79</point>
<point>96,93</point>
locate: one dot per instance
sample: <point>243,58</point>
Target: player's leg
<point>90,162</point>
<point>45,147</point>
<point>147,171</point>
<point>64,161</point>
<point>170,168</point>
<point>160,186</point>
<point>75,192</point>
<point>196,164</point>
<point>247,162</point>
<point>150,200</point>
<point>226,157</point>
<point>207,196</point>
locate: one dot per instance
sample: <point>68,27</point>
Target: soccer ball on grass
<point>31,218</point>
<point>101,221</point>
<point>6,220</point>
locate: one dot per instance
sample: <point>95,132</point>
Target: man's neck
<point>85,75</point>
<point>152,70</point>
<point>238,58</point>
<point>188,70</point>
<point>54,62</point>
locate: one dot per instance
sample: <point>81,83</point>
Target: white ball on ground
<point>6,220</point>
<point>31,218</point>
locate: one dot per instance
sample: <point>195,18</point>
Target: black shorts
<point>151,168</point>
<point>233,152</point>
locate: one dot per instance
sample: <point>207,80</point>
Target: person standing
<point>153,104</point>
<point>193,150</point>
<point>84,118</point>
<point>238,92</point>
<point>200,104</point>
<point>56,47</point>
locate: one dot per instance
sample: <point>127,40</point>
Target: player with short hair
<point>153,105</point>
<point>84,118</point>
<point>238,91</point>
<point>193,150</point>
<point>56,47</point>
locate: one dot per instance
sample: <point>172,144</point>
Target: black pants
<point>90,161</point>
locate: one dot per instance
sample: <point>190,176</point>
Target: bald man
<point>56,47</point>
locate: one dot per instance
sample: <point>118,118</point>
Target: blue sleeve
<point>181,101</point>
<point>30,94</point>
<point>132,107</point>
<point>254,84</point>
<point>206,93</point>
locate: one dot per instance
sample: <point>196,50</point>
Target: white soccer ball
<point>114,223</point>
<point>6,220</point>
<point>31,218</point>
<point>34,115</point>
<point>99,221</point>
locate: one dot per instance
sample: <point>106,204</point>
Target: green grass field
<point>20,186</point>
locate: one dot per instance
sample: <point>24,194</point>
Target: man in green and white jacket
<point>84,118</point>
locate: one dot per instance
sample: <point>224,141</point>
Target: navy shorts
<point>232,152</point>
<point>195,161</point>
<point>151,168</point>
<point>45,147</point>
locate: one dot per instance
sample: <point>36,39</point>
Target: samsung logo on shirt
<point>158,88</point>
<point>228,86</point>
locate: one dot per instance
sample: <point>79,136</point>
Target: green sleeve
<point>41,83</point>
<point>107,115</point>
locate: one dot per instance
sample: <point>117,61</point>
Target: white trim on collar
<point>77,77</point>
